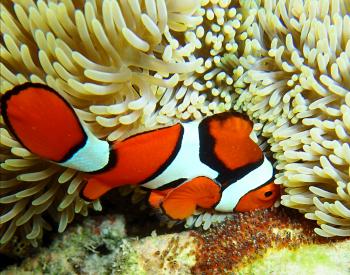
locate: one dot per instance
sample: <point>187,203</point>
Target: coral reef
<point>99,246</point>
<point>89,247</point>
<point>247,237</point>
<point>130,65</point>
<point>262,242</point>
<point>310,259</point>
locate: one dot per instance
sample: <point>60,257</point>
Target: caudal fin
<point>42,121</point>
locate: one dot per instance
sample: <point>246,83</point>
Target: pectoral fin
<point>157,197</point>
<point>181,202</point>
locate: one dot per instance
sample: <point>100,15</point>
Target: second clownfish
<point>211,163</point>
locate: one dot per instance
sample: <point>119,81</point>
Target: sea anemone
<point>299,92</point>
<point>116,62</point>
<point>140,64</point>
<point>294,83</point>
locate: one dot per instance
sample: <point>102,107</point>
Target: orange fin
<point>233,124</point>
<point>94,189</point>
<point>181,202</point>
<point>232,145</point>
<point>156,197</point>
<point>42,121</point>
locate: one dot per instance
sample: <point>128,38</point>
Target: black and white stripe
<point>93,156</point>
<point>187,163</point>
<point>251,181</point>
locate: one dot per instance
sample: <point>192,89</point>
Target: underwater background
<point>129,66</point>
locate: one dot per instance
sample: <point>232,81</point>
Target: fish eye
<point>268,194</point>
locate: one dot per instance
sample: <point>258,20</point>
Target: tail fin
<point>43,121</point>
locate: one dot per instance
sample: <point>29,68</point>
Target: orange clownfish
<point>211,163</point>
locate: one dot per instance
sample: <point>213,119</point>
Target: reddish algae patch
<point>246,236</point>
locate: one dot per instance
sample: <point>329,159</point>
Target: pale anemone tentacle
<point>300,91</point>
<point>104,57</point>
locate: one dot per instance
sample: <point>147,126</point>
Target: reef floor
<point>274,241</point>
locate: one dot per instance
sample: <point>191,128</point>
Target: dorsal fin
<point>225,142</point>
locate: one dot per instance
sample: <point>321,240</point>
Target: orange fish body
<point>210,163</point>
<point>135,160</point>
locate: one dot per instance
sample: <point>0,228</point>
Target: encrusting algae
<point>132,65</point>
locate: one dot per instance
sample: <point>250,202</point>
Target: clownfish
<point>211,163</point>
